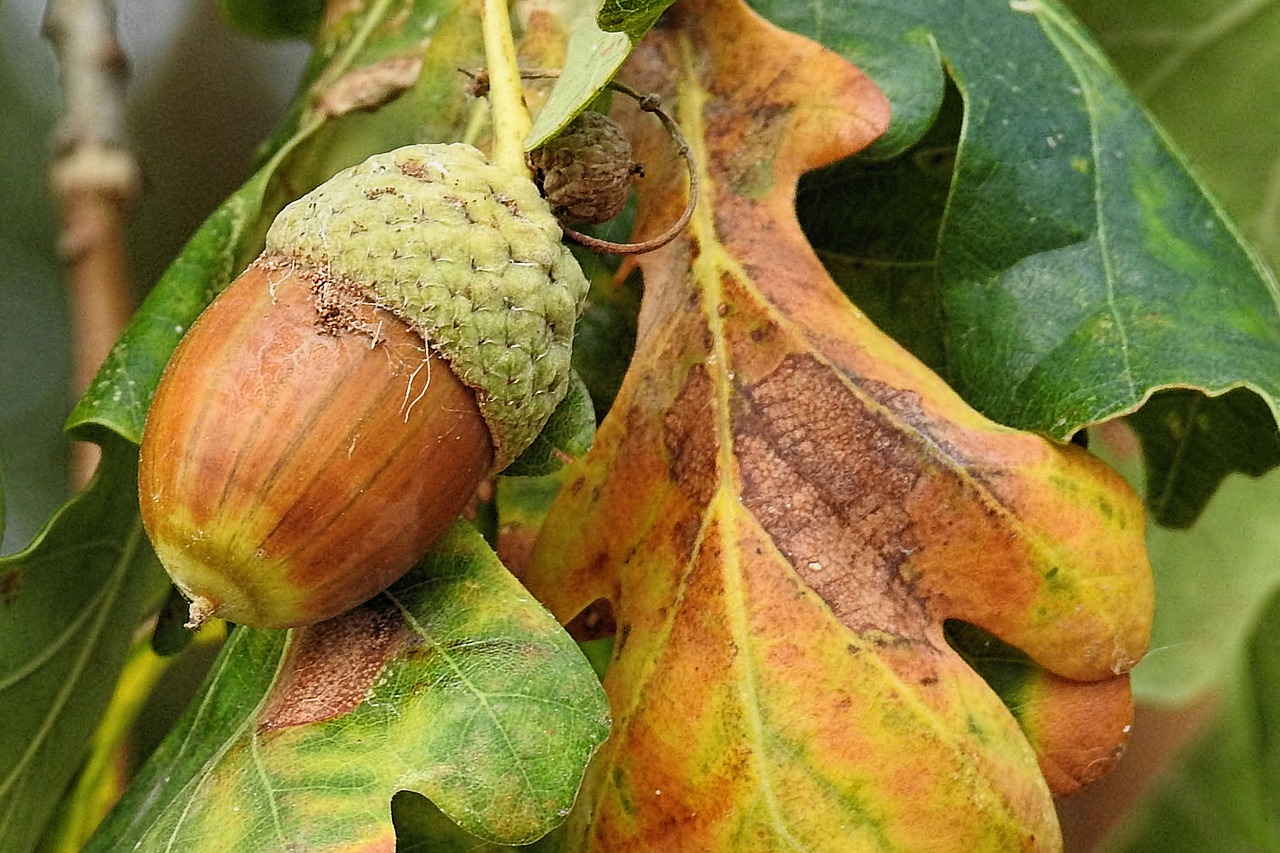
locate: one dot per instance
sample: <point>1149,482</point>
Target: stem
<point>511,122</point>
<point>95,179</point>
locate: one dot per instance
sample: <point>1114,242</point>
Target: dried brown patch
<point>379,192</point>
<point>690,438</point>
<point>341,307</point>
<point>415,169</point>
<point>337,308</point>
<point>9,586</point>
<point>370,87</point>
<point>828,479</point>
<point>332,666</point>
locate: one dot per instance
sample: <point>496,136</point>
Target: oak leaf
<point>453,684</point>
<point>786,509</point>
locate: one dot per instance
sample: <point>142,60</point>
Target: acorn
<point>405,334</point>
<point>587,170</point>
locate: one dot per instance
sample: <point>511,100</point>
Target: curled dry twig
<point>94,178</point>
<point>650,104</point>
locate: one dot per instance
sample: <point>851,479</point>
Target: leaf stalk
<point>511,122</point>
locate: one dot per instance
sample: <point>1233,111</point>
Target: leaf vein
<point>90,642</point>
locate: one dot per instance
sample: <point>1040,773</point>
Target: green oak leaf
<point>593,58</point>
<point>633,17</point>
<point>454,683</point>
<point>383,76</point>
<point>567,434</point>
<point>1207,71</point>
<point>69,605</point>
<point>1203,69</point>
<point>1221,793</point>
<point>1077,264</point>
<point>274,19</point>
<point>1190,442</point>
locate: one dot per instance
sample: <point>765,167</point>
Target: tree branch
<point>95,178</point>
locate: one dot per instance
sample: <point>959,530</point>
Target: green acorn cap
<point>467,254</point>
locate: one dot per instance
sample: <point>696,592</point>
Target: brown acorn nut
<point>587,170</point>
<point>306,443</point>
<point>296,463</point>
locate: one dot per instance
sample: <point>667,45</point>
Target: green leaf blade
<point>597,48</point>
<point>1207,71</point>
<point>279,19</point>
<point>594,57</point>
<point>633,17</point>
<point>70,605</point>
<point>1079,266</point>
<point>1220,794</point>
<point>465,691</point>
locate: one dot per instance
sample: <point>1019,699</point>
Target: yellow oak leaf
<point>786,509</point>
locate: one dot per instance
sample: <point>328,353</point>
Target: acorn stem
<point>511,122</point>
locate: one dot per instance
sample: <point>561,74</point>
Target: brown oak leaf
<point>785,508</point>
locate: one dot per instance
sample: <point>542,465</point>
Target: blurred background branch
<point>95,178</point>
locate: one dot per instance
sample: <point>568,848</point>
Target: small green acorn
<point>406,332</point>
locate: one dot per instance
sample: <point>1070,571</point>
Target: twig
<point>94,178</point>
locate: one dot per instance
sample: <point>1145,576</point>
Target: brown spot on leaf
<point>332,666</point>
<point>828,477</point>
<point>690,442</point>
<point>370,87</point>
<point>9,586</point>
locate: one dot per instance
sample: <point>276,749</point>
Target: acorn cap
<point>470,256</point>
